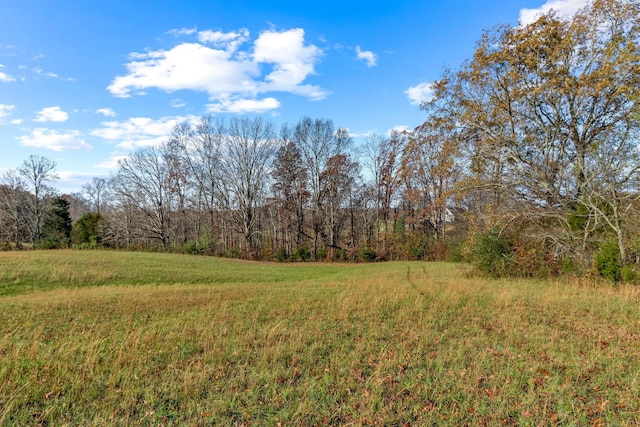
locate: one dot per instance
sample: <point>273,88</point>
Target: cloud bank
<point>138,132</point>
<point>235,77</point>
<point>53,140</point>
<point>51,114</point>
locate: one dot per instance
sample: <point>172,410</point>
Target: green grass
<point>104,338</point>
<point>23,272</point>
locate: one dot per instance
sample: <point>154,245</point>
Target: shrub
<point>89,230</point>
<point>340,254</point>
<point>569,266</point>
<point>190,248</point>
<point>532,259</point>
<point>454,252</point>
<point>205,245</point>
<point>321,254</point>
<point>629,274</point>
<point>367,254</point>
<point>232,253</point>
<point>302,254</point>
<point>281,255</point>
<point>607,261</point>
<point>420,247</point>
<point>490,253</point>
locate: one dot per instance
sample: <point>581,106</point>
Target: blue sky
<point>84,83</point>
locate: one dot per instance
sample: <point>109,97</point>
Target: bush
<point>367,254</point>
<point>190,248</point>
<point>321,254</point>
<point>569,266</point>
<point>53,242</point>
<point>532,259</point>
<point>232,253</point>
<point>629,275</point>
<point>282,255</point>
<point>454,252</point>
<point>340,254</point>
<point>89,230</point>
<point>302,254</point>
<point>490,253</point>
<point>607,261</point>
<point>206,245</point>
<point>420,247</point>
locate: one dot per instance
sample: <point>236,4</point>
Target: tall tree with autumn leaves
<point>548,119</point>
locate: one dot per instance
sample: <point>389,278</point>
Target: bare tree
<point>382,157</point>
<point>38,173</point>
<point>143,181</point>
<point>290,192</point>
<point>200,147</point>
<point>338,180</point>
<point>248,149</point>
<point>95,191</point>
<point>318,142</point>
<point>179,186</point>
<point>14,202</point>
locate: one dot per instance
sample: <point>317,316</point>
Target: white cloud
<point>292,61</point>
<point>227,41</point>
<point>241,106</point>
<point>40,72</point>
<point>365,134</point>
<point>366,55</point>
<point>139,131</point>
<point>178,103</point>
<point>176,32</point>
<point>422,92</point>
<point>4,77</point>
<point>53,140</point>
<point>107,112</point>
<point>187,66</point>
<point>280,61</point>
<point>564,8</point>
<point>6,110</point>
<point>52,114</point>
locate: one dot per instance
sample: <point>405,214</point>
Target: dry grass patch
<point>392,344</point>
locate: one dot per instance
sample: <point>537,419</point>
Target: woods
<point>527,164</point>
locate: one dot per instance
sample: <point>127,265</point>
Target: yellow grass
<point>384,344</point>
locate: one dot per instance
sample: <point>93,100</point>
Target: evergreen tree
<point>88,230</point>
<point>57,226</point>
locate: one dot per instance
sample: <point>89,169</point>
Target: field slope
<point>104,338</point>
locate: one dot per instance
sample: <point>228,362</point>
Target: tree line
<point>241,188</point>
<point>527,164</point>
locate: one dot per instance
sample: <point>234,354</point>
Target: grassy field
<point>112,338</point>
